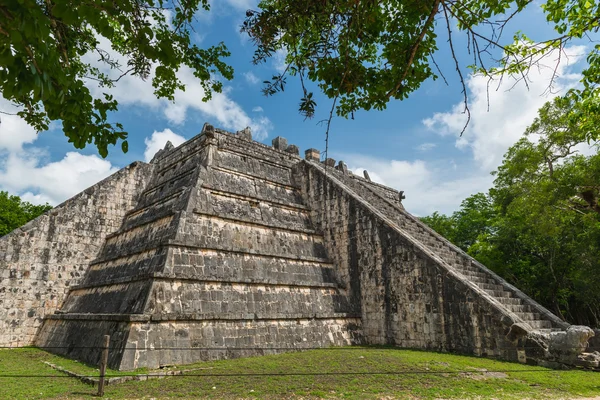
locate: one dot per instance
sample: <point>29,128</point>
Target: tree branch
<point>413,52</point>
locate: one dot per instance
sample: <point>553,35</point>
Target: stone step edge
<point>254,177</point>
<point>122,231</point>
<point>174,243</point>
<point>189,143</point>
<point>198,317</point>
<point>137,210</point>
<point>238,196</point>
<point>260,160</point>
<point>246,221</point>
<point>159,276</point>
<point>224,193</point>
<point>318,260</point>
<point>265,149</point>
<point>157,186</point>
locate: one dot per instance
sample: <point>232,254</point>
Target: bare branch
<point>438,69</point>
<point>462,81</point>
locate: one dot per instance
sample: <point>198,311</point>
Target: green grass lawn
<point>353,373</point>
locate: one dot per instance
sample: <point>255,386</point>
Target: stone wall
<point>406,296</point>
<point>40,261</point>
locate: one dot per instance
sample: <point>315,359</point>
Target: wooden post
<point>103,362</point>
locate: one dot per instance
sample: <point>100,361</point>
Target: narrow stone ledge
<point>292,206</point>
<point>183,174</point>
<point>99,317</point>
<point>157,218</point>
<point>260,146</point>
<point>252,223</point>
<point>184,145</point>
<point>316,260</point>
<point>158,276</point>
<point>248,317</point>
<point>135,211</point>
<point>129,254</point>
<point>254,176</point>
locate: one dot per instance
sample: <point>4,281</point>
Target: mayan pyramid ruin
<point>226,247</point>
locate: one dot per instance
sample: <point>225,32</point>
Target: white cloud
<point>242,5</point>
<point>25,172</point>
<point>39,198</point>
<point>158,140</point>
<point>278,60</point>
<point>511,110</point>
<point>428,187</point>
<point>257,109</point>
<point>14,131</point>
<point>131,90</point>
<point>54,182</point>
<point>426,146</point>
<point>251,78</point>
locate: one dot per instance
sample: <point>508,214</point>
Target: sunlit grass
<point>353,373</point>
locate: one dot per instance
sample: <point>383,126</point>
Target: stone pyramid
<point>224,247</point>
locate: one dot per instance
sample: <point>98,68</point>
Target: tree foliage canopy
<point>42,66</point>
<point>362,54</point>
<point>15,213</point>
<point>539,227</point>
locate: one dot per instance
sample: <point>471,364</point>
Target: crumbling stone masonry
<point>225,243</point>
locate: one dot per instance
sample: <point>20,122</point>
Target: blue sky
<point>413,145</point>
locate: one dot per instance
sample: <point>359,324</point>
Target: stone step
<point>471,275</point>
<point>482,280</point>
<point>252,252</point>
<point>183,155</point>
<point>251,175</point>
<point>243,147</point>
<point>203,317</point>
<point>249,209</point>
<point>498,293</point>
<point>243,298</point>
<point>488,286</point>
<point>550,330</point>
<point>216,232</point>
<point>528,316</point>
<point>211,265</point>
<point>516,308</point>
<point>540,324</point>
<point>201,295</point>
<point>139,238</point>
<point>159,276</point>
<point>172,179</point>
<point>254,166</point>
<point>254,198</point>
<point>264,223</point>
<point>159,203</point>
<point>510,300</point>
<point>126,266</point>
<point>246,185</point>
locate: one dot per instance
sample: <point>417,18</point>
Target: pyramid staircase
<point>238,249</point>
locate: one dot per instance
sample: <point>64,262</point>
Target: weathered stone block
<point>293,149</point>
<point>312,155</point>
<point>280,143</point>
<point>329,162</point>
